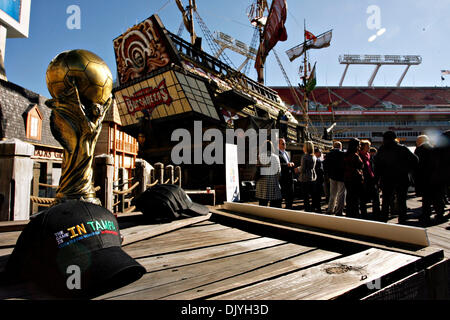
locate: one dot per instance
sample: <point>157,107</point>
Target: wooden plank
<point>441,242</point>
<point>8,226</point>
<point>439,232</point>
<point>374,229</point>
<point>162,283</point>
<point>187,235</point>
<point>326,281</point>
<point>274,270</point>
<point>6,251</point>
<point>412,287</point>
<point>9,239</point>
<point>430,254</point>
<point>174,260</point>
<point>123,215</point>
<point>199,224</point>
<point>437,279</point>
<point>145,232</point>
<point>445,226</point>
<point>180,233</point>
<point>164,245</point>
<point>433,234</point>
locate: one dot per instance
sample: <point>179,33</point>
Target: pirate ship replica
<point>167,83</point>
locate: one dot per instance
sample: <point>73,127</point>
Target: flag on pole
<point>319,42</point>
<point>309,35</point>
<point>311,80</point>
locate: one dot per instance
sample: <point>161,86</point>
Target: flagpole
<point>305,73</point>
<point>304,55</point>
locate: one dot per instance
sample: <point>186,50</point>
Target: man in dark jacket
<point>333,166</point>
<point>287,174</point>
<point>431,191</point>
<point>393,163</point>
<point>441,174</point>
<point>370,192</point>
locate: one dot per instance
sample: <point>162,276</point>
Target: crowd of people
<point>346,182</point>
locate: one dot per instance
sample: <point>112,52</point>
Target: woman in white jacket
<point>268,186</point>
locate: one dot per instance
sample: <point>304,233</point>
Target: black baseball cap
<point>168,202</point>
<point>70,239</point>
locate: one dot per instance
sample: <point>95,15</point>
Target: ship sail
<point>274,31</point>
<point>318,42</point>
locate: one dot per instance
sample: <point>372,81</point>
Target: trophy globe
<point>86,70</point>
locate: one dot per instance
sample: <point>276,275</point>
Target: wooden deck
<point>224,258</point>
<point>438,232</point>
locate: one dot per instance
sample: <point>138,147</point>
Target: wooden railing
<point>115,195</point>
<point>126,146</point>
<point>124,198</point>
<point>47,202</point>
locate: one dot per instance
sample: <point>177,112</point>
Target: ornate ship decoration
<point>139,52</point>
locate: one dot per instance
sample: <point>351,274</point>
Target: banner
<point>311,80</point>
<point>309,35</point>
<point>273,32</point>
<point>322,41</point>
<point>232,173</point>
<point>148,98</point>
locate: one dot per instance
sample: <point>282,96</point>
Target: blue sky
<point>412,27</point>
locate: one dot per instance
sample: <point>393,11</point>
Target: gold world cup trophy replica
<point>80,83</point>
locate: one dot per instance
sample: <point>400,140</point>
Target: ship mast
<point>305,72</point>
<point>192,7</point>
<point>188,17</point>
<point>261,5</point>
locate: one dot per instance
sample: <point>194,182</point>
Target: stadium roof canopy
<point>371,98</point>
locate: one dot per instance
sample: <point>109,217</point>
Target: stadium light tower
<point>378,61</point>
